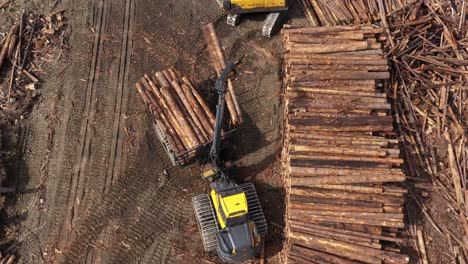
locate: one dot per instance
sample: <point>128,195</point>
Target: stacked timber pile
<point>344,200</point>
<point>183,120</point>
<point>338,12</point>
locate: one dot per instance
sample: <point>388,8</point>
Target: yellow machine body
<point>253,6</point>
<point>230,206</point>
<point>256,4</point>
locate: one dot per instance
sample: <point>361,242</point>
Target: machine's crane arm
<point>220,87</point>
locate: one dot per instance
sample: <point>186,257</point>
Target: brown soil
<point>94,183</point>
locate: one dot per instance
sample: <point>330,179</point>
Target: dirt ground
<point>94,184</point>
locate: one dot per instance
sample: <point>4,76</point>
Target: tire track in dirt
<point>146,208</point>
<point>122,95</point>
<point>77,179</point>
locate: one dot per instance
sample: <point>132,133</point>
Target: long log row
<point>337,12</point>
<point>179,111</point>
<point>341,167</point>
<point>219,63</point>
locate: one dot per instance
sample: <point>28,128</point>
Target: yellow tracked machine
<point>230,218</point>
<point>276,9</point>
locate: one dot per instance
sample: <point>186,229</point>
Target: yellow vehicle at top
<point>275,8</point>
<point>246,6</point>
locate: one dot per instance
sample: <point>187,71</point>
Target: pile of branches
<point>23,49</point>
<point>428,48</point>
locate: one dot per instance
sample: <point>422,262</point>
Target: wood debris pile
<point>337,12</point>
<point>23,50</point>
<point>428,48</point>
<point>340,158</point>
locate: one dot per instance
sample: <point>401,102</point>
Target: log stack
<point>183,120</point>
<point>338,12</point>
<point>340,158</point>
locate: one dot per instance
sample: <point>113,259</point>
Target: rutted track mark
<point>76,184</point>
<point>122,95</point>
<point>137,190</point>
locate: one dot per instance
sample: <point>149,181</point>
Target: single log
<point>329,60</point>
<point>347,195</point>
<point>304,171</point>
<point>319,180</point>
<point>324,30</point>
<point>348,220</point>
<point>344,104</point>
<point>166,92</point>
<point>339,201</point>
<point>6,44</point>
<point>344,214</point>
<point>218,61</point>
<point>341,75</point>
<point>338,38</point>
<point>366,84</point>
<point>12,46</point>
<point>329,207</point>
<point>163,82</point>
<point>346,231</point>
<point>167,75</point>
<point>341,91</point>
<point>204,120</point>
<point>304,68</point>
<point>344,136</point>
<point>338,142</point>
<point>331,47</point>
<point>340,151</point>
<point>353,188</point>
<point>202,103</point>
<point>192,116</point>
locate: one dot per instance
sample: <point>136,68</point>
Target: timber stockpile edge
<point>340,157</point>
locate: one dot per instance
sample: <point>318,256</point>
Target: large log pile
<point>341,164</point>
<point>180,113</point>
<point>339,12</point>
